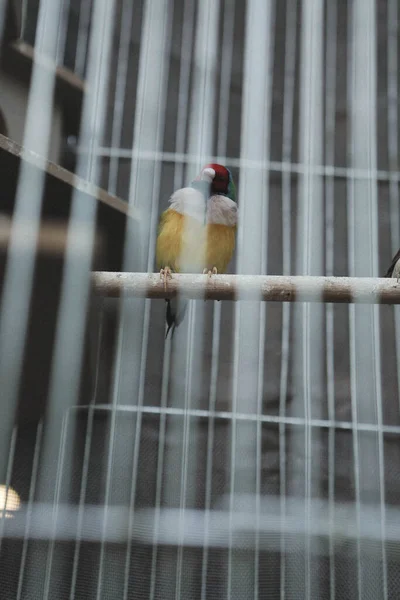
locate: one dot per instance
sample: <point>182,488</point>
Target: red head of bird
<point>220,179</point>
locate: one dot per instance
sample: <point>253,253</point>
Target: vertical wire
<point>259,409</point>
<point>202,109</point>
<point>376,314</point>
<point>183,103</point>
<point>132,497</point>
<point>263,305</point>
<point>184,86</point>
<point>353,381</point>
<point>18,278</point>
<point>185,450</point>
<point>110,457</point>
<point>160,471</point>
<point>10,464</point>
<point>381,459</point>
<point>232,462</point>
<point>200,144</point>
<point>144,186</point>
<point>393,150</point>
<point>287,141</point>
<point>210,444</point>
<point>168,17</point>
<point>62,31</point>
<point>85,12</point>
<point>135,464</point>
<point>157,27</point>
<point>69,337</point>
<point>228,40</point>
<point>24,12</point>
<point>310,249</point>
<point>31,497</point>
<point>86,458</point>
<point>81,506</point>
<point>56,484</point>
<point>124,47</point>
<point>135,317</point>
<point>67,355</point>
<point>222,136</point>
<point>363,259</point>
<point>144,190</point>
<point>355,448</point>
<point>161,462</point>
<point>330,112</point>
<point>252,252</point>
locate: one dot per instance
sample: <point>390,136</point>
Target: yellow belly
<point>180,243</point>
<point>220,246</point>
<point>186,245</point>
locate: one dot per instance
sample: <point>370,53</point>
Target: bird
<point>196,234</point>
<point>394,269</point>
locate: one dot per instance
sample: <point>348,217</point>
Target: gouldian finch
<point>197,232</point>
<point>394,269</point>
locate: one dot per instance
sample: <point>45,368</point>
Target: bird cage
<point>255,453</point>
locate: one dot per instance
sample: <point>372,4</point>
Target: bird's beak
<point>208,174</point>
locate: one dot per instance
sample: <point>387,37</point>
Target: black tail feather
<point>392,266</point>
<point>170,318</point>
<point>176,310</point>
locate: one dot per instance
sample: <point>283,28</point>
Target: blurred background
<point>257,454</point>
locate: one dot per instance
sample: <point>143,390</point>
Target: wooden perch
<point>270,288</point>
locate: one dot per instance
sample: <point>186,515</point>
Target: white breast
<point>221,210</point>
<point>190,202</point>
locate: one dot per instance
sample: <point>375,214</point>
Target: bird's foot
<point>210,273</point>
<point>165,274</point>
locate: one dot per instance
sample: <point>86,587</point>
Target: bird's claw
<point>165,274</point>
<point>209,272</point>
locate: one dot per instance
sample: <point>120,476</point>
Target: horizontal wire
<point>255,417</point>
<point>230,161</point>
<point>239,530</point>
<point>270,524</point>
